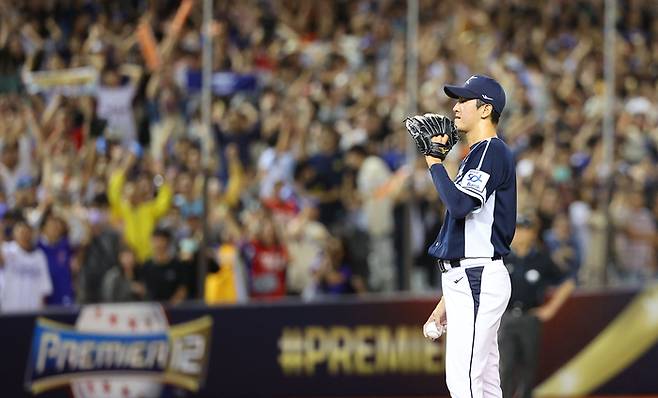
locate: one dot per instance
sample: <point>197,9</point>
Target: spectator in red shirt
<point>266,259</point>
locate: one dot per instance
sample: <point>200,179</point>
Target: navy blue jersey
<point>487,175</point>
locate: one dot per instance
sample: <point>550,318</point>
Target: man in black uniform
<point>532,271</point>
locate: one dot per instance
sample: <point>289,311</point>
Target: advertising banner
<point>347,348</point>
<point>71,82</point>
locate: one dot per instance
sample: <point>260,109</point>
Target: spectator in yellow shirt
<point>137,210</point>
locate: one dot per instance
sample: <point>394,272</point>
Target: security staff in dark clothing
<point>532,271</point>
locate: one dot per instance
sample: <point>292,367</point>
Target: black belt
<point>447,265</point>
<point>518,309</point>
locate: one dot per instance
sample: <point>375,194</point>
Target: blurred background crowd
<point>103,158</point>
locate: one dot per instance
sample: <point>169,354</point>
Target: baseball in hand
<point>432,331</point>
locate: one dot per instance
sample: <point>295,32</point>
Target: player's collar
<point>483,140</point>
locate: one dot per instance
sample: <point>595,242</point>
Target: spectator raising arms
<point>140,213</point>
<point>307,103</point>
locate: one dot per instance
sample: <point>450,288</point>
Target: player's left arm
<point>437,322</point>
<point>560,295</point>
<point>566,284</point>
<point>45,285</point>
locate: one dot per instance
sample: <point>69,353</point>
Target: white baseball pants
<point>476,295</point>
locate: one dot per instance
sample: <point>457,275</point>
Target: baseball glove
<point>423,128</point>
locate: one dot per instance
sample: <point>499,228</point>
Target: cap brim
<point>459,92</point>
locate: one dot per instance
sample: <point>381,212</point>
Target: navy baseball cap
<point>479,87</point>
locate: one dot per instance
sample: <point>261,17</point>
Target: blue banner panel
<point>352,347</point>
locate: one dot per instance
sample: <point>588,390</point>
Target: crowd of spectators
<point>102,179</point>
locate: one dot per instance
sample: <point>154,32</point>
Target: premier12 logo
<point>124,350</point>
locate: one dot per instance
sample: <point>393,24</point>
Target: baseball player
<point>477,232</point>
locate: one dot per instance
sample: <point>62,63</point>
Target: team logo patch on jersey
<point>475,180</point>
<point>117,350</point>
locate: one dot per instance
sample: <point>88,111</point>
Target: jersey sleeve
<point>483,171</point>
